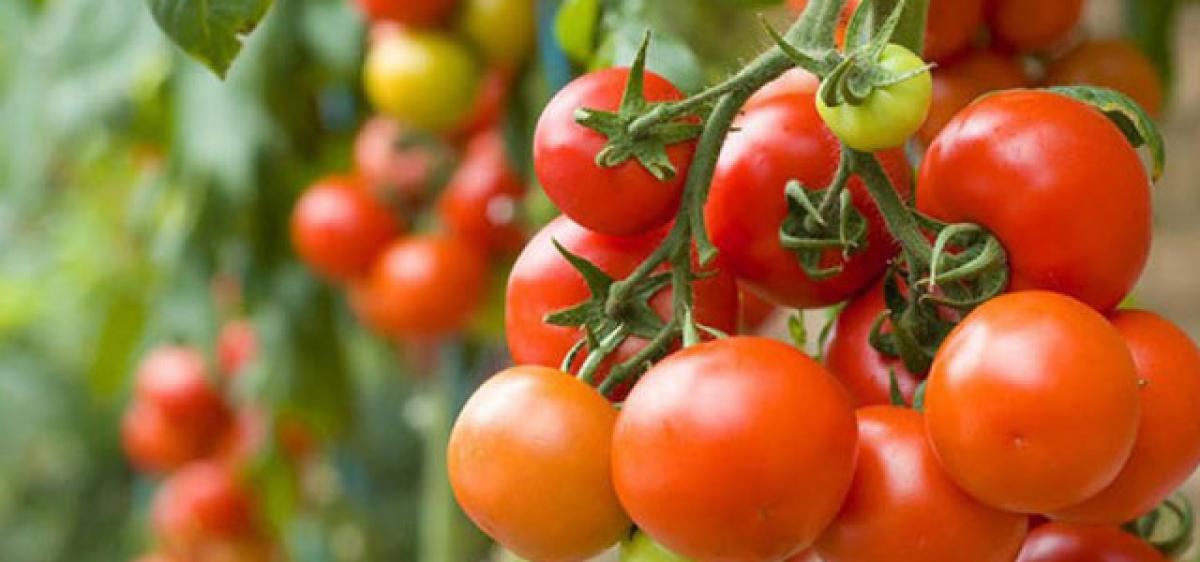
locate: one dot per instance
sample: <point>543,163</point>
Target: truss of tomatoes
<point>1048,401</point>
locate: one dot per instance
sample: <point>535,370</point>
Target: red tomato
<point>623,200</point>
<point>421,13</point>
<point>1114,64</point>
<point>202,503</point>
<point>772,145</point>
<point>796,81</point>
<point>397,165</point>
<point>1056,542</point>
<point>903,508</point>
<point>1032,402</point>
<point>865,372</point>
<point>489,104</point>
<point>753,311</point>
<point>422,287</point>
<point>175,380</point>
<point>736,449</point>
<point>338,228</point>
<point>237,346</point>
<point>1168,443</point>
<point>957,84</point>
<point>529,463</point>
<point>1032,25</point>
<point>1056,182</point>
<point>481,201</point>
<point>951,25</point>
<point>542,282</point>
<point>157,444</point>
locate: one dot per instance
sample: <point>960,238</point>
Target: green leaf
<point>209,30</point>
<point>797,330</point>
<point>575,28</point>
<point>1127,115</point>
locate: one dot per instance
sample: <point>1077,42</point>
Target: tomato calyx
<point>811,228</point>
<point>1134,122</point>
<point>647,144</point>
<point>1169,528</point>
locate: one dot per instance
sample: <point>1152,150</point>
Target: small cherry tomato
<point>421,13</point>
<point>338,228</point>
<point>951,27</point>
<point>237,346</point>
<point>1032,25</point>
<point>156,444</point>
<point>773,144</point>
<point>482,200</point>
<point>542,282</point>
<point>422,287</point>
<point>957,84</point>
<point>203,503</point>
<point>503,30</point>
<point>902,507</point>
<point>622,200</point>
<point>753,311</point>
<point>175,380</point>
<point>400,166</point>
<point>425,79</point>
<point>1057,542</point>
<point>736,449</point>
<point>1032,402</point>
<point>864,371</point>
<point>1168,443</point>
<point>489,104</point>
<point>889,115</point>
<point>1114,64</point>
<point>1056,182</point>
<point>529,463</point>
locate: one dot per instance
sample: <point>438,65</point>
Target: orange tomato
<point>1032,25</point>
<point>1114,64</point>
<point>957,84</point>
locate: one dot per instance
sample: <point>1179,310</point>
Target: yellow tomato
<point>424,79</point>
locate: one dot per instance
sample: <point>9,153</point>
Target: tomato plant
<point>1056,182</point>
<point>482,199</point>
<point>903,507</point>
<point>1032,25</point>
<point>958,83</point>
<point>1015,386</point>
<point>864,371</point>
<point>620,200</point>
<point>202,504</point>
<point>528,425</point>
<point>1056,542</point>
<point>890,114</point>
<point>338,228</point>
<point>713,458</point>
<point>775,143</point>
<point>398,165</point>
<point>426,79</point>
<point>1167,449</point>
<point>1115,64</point>
<point>408,12</point>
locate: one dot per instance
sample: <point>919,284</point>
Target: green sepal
<point>797,330</point>
<point>894,393</point>
<point>1128,116</point>
<point>636,315</point>
<point>919,396</point>
<point>809,233</point>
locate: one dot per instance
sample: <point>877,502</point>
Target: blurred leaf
<point>1150,24</point>
<point>209,30</point>
<point>575,28</point>
<point>668,55</point>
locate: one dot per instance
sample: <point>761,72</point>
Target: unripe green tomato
<point>503,30</point>
<point>642,548</point>
<point>425,79</point>
<point>889,115</point>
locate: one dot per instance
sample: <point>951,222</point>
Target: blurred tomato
<point>237,346</point>
<point>1032,25</point>
<point>175,380</point>
<point>503,30</point>
<point>156,444</point>
<point>951,26</point>
<point>482,200</point>
<point>408,12</point>
<point>489,104</point>
<point>958,83</point>
<point>1115,64</point>
<point>203,503</point>
<point>424,79</point>
<point>398,165</point>
<point>338,228</point>
<point>753,311</point>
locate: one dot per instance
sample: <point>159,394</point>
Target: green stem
<point>587,373</point>
<point>628,369</point>
<point>896,215</point>
<point>911,32</point>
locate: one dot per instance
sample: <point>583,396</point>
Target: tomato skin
<point>796,81</point>
<point>202,503</point>
<point>902,506</point>
<point>957,84</point>
<point>890,115</point>
<point>951,27</point>
<point>622,200</point>
<point>1014,387</point>
<point>1168,443</point>
<point>503,30</point>
<point>422,287</point>
<point>542,282</point>
<point>713,458</point>
<point>155,444</point>
<point>481,201</point>
<point>428,80</point>
<point>865,372</point>
<point>534,424</point>
<point>1027,26</point>
<point>1056,182</point>
<point>1114,64</point>
<point>773,144</point>
<point>237,346</point>
<point>753,311</point>
<point>338,228</point>
<point>1058,542</point>
<point>175,380</point>
<point>420,13</point>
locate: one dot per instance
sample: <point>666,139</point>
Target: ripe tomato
<point>503,30</point>
<point>949,30</point>
<point>489,104</point>
<point>903,508</point>
<point>773,144</point>
<point>481,201</point>
<point>175,380</point>
<point>202,503</point>
<point>957,84</point>
<point>422,287</point>
<point>338,228</point>
<point>890,115</point>
<point>1032,25</point>
<point>542,281</point>
<point>398,165</point>
<point>156,444</point>
<point>425,79</point>
<point>865,372</point>
<point>421,13</point>
<point>790,83</point>
<point>736,449</point>
<point>237,346</point>
<point>1056,182</point>
<point>1057,542</point>
<point>1013,389</point>
<point>1168,443</point>
<point>753,311</point>
<point>1112,63</point>
<point>622,200</point>
<point>534,426</point>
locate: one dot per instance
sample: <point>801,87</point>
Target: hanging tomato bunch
<point>980,379</point>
